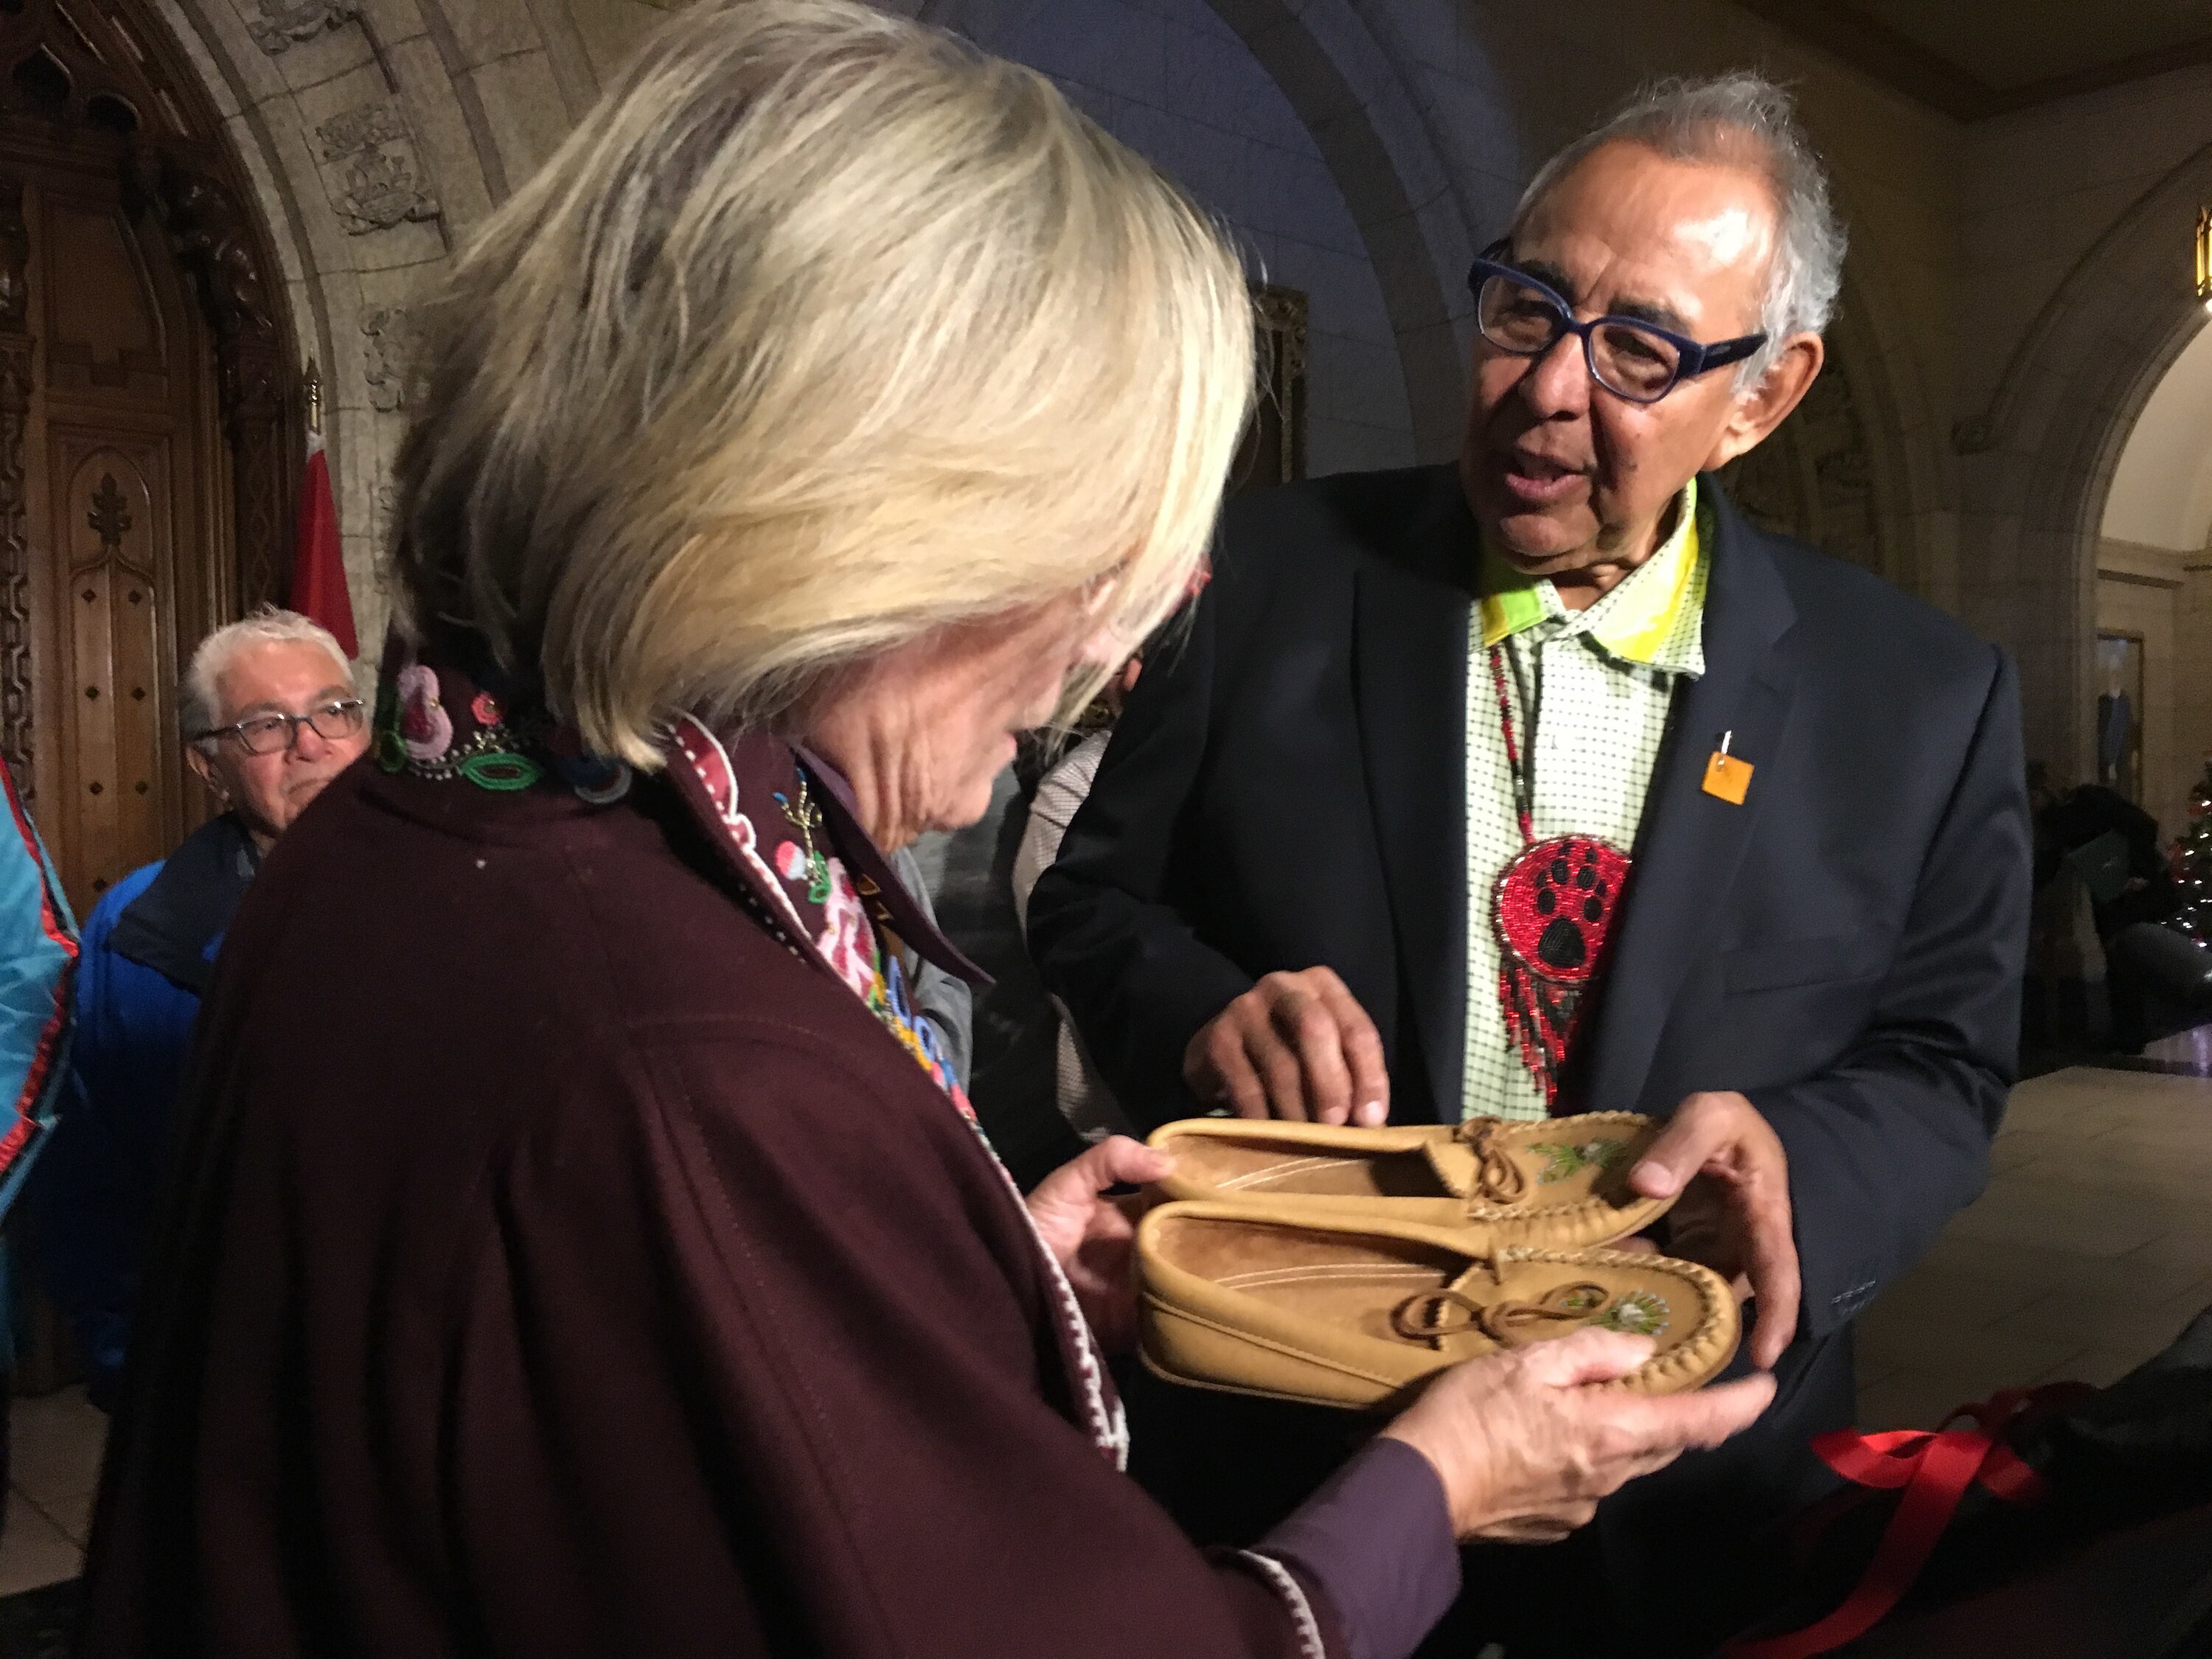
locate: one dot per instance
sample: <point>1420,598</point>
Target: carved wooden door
<point>122,489</point>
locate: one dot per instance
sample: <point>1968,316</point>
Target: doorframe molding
<point>130,89</point>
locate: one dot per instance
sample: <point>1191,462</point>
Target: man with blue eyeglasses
<point>1548,784</point>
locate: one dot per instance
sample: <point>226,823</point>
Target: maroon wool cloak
<point>555,1263</point>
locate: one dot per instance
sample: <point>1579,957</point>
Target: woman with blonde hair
<point>608,1266</point>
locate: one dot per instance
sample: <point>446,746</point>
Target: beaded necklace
<point>1553,908</point>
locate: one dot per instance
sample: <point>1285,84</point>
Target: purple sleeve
<point>1376,1542</point>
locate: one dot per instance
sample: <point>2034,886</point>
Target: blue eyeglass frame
<point>1696,357</point>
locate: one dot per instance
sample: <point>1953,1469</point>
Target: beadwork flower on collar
<point>437,720</point>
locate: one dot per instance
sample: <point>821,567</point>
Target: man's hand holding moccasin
<point>1732,1215</point>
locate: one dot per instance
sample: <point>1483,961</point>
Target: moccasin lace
<point>1432,1316</point>
<point>1497,1178</point>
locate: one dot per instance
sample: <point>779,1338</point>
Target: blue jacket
<point>149,947</point>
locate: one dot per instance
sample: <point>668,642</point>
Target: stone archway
<point>370,153</point>
<point>1348,87</point>
<point>372,139</point>
<point>2035,471</point>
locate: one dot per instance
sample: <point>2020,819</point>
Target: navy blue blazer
<point>1286,789</point>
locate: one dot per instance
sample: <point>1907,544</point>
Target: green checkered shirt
<point>1603,678</point>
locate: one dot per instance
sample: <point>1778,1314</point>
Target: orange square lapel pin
<point>1726,776</point>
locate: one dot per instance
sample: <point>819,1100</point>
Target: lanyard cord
<point>1522,768</point>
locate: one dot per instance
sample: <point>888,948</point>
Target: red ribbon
<point>1936,1470</point>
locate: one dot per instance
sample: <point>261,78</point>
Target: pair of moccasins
<point>1340,1266</point>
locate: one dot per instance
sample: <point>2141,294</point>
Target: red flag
<point>318,583</point>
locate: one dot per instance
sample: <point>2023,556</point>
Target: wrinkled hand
<point>1294,1046</point>
<point>1525,1452</point>
<point>1727,1163</point>
<point>1094,1237</point>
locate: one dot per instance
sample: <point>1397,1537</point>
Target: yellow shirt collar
<point>1654,616</point>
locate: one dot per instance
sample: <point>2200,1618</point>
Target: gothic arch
<point>1339,67</point>
<point>1339,64</point>
<point>2036,470</point>
<point>369,153</point>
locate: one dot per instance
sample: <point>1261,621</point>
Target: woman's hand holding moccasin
<point>1094,1237</point>
<point>1525,1451</point>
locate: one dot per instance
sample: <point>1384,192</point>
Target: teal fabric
<point>38,956</point>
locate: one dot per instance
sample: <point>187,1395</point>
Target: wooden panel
<point>118,541</point>
<point>123,461</point>
<point>104,322</point>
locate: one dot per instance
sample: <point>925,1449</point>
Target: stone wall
<point>2072,299</point>
<point>1176,83</point>
<point>378,134</point>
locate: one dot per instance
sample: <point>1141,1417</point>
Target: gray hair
<point>198,706</point>
<point>1737,118</point>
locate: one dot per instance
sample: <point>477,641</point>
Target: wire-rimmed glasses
<point>271,733</point>
<point>1630,358</point>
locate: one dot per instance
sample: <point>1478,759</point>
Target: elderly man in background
<point>270,717</point>
<point>1548,784</point>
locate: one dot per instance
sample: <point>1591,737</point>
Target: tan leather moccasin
<point>1558,1184</point>
<point>1339,1310</point>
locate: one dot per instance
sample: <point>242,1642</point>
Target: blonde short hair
<point>821,331</point>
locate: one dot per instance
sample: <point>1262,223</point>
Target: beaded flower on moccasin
<point>1560,1183</point>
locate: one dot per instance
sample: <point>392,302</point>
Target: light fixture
<point>2204,255</point>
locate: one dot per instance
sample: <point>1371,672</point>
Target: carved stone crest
<point>383,507</point>
<point>283,23</point>
<point>388,355</point>
<point>371,171</point>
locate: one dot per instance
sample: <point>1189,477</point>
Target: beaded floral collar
<point>440,720</point>
<point>824,882</point>
<point>816,877</point>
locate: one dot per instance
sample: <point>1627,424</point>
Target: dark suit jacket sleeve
<point>1886,1145</point>
<point>1108,940</point>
